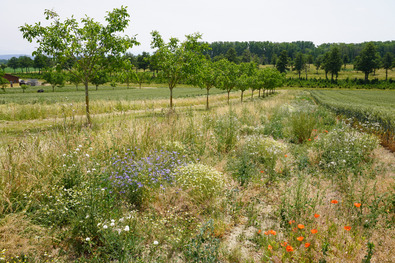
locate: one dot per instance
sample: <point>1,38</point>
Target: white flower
<point>80,146</point>
<point>126,228</point>
<point>87,155</point>
<point>87,239</point>
<point>112,224</point>
<point>105,226</point>
<point>77,149</point>
<point>156,242</point>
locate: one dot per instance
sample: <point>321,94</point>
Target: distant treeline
<point>268,52</point>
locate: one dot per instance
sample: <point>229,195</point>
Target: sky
<point>319,21</point>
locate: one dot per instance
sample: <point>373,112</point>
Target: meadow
<point>275,179</point>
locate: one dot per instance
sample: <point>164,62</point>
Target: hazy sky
<point>320,21</point>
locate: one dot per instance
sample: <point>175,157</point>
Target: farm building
<point>11,78</point>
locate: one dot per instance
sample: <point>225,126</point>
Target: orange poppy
<point>309,140</point>
<point>284,244</point>
<point>289,248</point>
<point>291,221</point>
<point>262,171</point>
<point>300,226</point>
<point>357,204</point>
<point>316,215</point>
<point>334,201</point>
<point>272,232</point>
<point>307,245</point>
<point>269,247</point>
<point>300,238</point>
<point>266,233</point>
<point>259,231</point>
<point>326,131</point>
<point>314,231</point>
<point>285,156</point>
<point>348,228</point>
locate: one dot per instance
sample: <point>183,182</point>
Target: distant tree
<point>3,67</point>
<point>178,61</point>
<point>226,75</point>
<point>255,59</point>
<point>100,78</point>
<point>24,87</point>
<point>206,78</point>
<point>142,77</point>
<point>367,60</point>
<point>271,79</point>
<point>310,59</point>
<point>13,63</point>
<point>300,63</point>
<point>40,62</point>
<point>246,72</point>
<point>55,78</point>
<point>127,74</point>
<point>282,62</point>
<point>143,60</point>
<point>388,63</point>
<point>346,60</point>
<point>73,79</point>
<point>335,62</point>
<point>91,45</point>
<point>219,57</point>
<point>318,62</point>
<point>25,62</point>
<point>326,64</point>
<point>274,60</point>
<point>246,56</point>
<point>231,55</point>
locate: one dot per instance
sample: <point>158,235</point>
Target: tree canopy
<point>90,45</point>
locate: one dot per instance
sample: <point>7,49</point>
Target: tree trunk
<point>252,93</point>
<point>366,77</point>
<point>171,98</point>
<point>259,94</point>
<point>88,116</point>
<point>386,74</point>
<point>299,73</point>
<point>208,91</point>
<point>97,86</point>
<point>228,97</point>
<point>53,88</point>
<point>242,92</point>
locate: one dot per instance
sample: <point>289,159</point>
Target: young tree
<point>74,80</point>
<point>300,63</point>
<point>25,62</point>
<point>55,78</point>
<point>178,61</point>
<point>226,75</point>
<point>100,78</point>
<point>246,72</point>
<point>40,62</point>
<point>206,78</point>
<point>142,77</point>
<point>282,62</point>
<point>143,61</point>
<point>271,79</point>
<point>231,55</point>
<point>318,62</point>
<point>335,62</point>
<point>388,63</point>
<point>326,64</point>
<point>367,60</point>
<point>3,81</point>
<point>91,45</point>
<point>13,63</point>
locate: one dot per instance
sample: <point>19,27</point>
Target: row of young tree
<point>89,49</point>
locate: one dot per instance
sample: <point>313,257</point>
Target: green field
<point>364,105</point>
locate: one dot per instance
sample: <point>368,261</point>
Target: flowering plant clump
<point>344,149</point>
<point>201,181</point>
<point>133,177</point>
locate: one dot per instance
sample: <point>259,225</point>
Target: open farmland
<point>276,178</point>
<point>375,109</point>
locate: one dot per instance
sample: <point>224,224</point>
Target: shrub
<point>202,182</point>
<point>302,125</point>
<point>344,149</point>
<point>255,155</point>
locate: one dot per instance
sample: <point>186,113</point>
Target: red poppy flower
<point>266,233</point>
<point>348,228</point>
<point>306,245</point>
<point>316,215</point>
<point>357,204</point>
<point>259,231</point>
<point>289,248</point>
<point>314,231</point>
<point>269,247</point>
<point>300,238</point>
<point>272,232</point>
<point>300,226</point>
<point>334,201</point>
